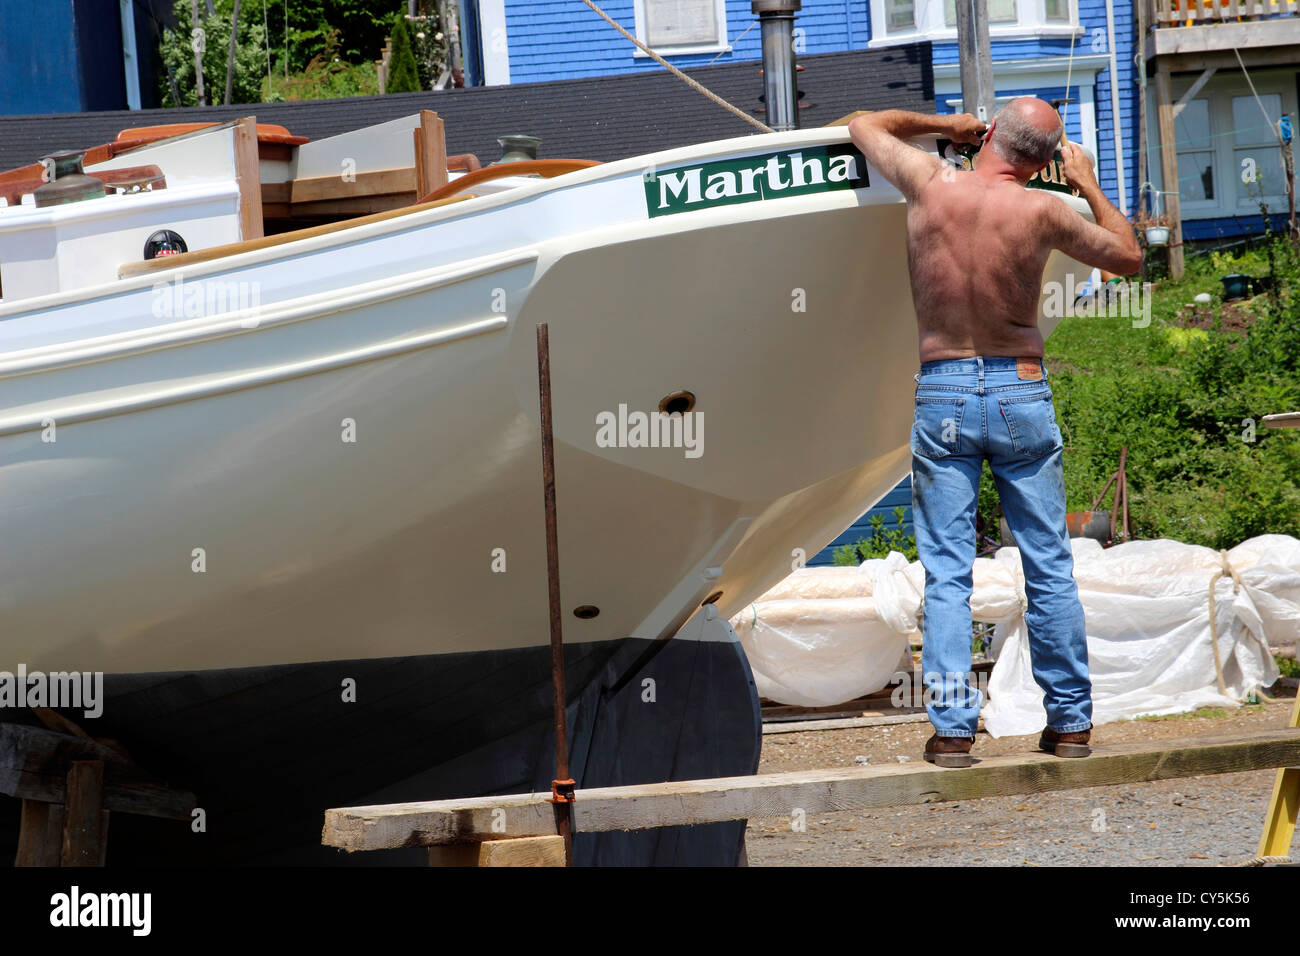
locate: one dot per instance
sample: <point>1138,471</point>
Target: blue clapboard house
<point>1210,154</point>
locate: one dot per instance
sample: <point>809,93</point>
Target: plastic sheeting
<point>827,635</point>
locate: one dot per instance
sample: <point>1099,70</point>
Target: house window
<point>1257,158</point>
<point>681,26</point>
<point>1195,153</point>
<point>1000,11</point>
<point>1056,11</point>
<point>907,21</point>
<point>1229,160</point>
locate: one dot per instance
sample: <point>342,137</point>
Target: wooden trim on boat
<point>546,168</point>
<point>375,182</point>
<point>252,245</point>
<point>248,175</point>
<point>430,153</point>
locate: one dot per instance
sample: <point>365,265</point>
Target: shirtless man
<point>977,244</point>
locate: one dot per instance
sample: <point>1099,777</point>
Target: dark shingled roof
<point>605,118</point>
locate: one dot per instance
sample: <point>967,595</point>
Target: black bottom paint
<point>267,750</point>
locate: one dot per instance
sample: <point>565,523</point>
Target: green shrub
<point>882,541</point>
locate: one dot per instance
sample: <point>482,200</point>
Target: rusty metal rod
<point>562,786</point>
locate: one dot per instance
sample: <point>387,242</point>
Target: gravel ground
<point>1194,821</point>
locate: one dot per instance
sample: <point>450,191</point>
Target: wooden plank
<point>249,177</point>
<point>376,183</point>
<point>815,791</point>
<point>352,208</point>
<point>34,763</point>
<point>40,834</point>
<point>1170,204</point>
<point>85,824</point>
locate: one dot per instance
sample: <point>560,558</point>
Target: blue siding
<point>900,495</point>
<point>563,39</point>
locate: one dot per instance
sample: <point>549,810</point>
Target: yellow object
<point>1279,822</point>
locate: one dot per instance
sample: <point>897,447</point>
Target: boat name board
<point>793,172</point>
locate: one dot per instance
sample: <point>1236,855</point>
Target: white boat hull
<point>177,492</point>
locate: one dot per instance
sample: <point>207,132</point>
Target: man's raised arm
<point>1110,244</point>
<point>881,138</point>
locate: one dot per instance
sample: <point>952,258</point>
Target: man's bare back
<point>976,251</point>
<point>978,240</point>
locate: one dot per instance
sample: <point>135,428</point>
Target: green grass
<point>1207,713</point>
<point>1183,401</point>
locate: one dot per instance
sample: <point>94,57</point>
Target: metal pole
<point>977,95</point>
<point>776,21</point>
<point>562,786</point>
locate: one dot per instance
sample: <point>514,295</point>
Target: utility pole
<point>977,96</point>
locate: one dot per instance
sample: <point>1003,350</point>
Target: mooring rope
<point>1226,571</point>
<point>693,84</point>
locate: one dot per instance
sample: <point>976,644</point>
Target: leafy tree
<point>177,55</point>
<point>403,76</point>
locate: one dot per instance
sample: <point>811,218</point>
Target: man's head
<point>1025,133</point>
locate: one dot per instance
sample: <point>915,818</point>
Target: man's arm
<point>1110,244</point>
<point>881,138</point>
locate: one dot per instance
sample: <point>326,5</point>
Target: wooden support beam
<point>40,834</point>
<point>1169,171</point>
<point>374,183</point>
<point>1195,88</point>
<point>34,765</point>
<point>525,851</point>
<point>249,177</point>
<point>817,791</point>
<point>85,822</point>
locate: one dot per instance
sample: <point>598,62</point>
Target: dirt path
<point>1197,821</point>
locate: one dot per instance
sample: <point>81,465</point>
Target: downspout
<point>1115,119</point>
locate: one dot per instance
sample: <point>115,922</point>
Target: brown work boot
<point>1073,744</point>
<point>948,751</point>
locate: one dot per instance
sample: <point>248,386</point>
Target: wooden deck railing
<point>1180,13</point>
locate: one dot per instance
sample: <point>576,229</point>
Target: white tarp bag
<point>826,635</point>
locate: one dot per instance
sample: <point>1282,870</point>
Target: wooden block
<point>85,824</point>
<point>523,851</point>
<point>520,851</point>
<point>40,834</point>
<point>816,791</point>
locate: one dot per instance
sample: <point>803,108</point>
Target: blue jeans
<point>969,410</point>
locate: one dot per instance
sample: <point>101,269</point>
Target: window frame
<point>1031,21</point>
<point>718,45</point>
<point>1232,197</point>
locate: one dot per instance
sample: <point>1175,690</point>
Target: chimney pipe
<point>776,20</point>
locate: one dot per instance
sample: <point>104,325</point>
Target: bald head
<point>1026,132</point>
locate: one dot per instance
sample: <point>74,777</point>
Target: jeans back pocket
<point>936,426</point>
<point>1031,423</point>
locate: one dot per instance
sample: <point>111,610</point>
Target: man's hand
<point>967,129</point>
<point>1078,168</point>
